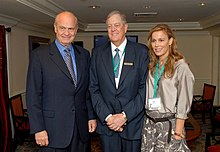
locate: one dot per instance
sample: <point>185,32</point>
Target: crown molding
<point>44,6</point>
<point>147,26</point>
<point>210,21</point>
<point>174,25</point>
<point>194,33</point>
<point>8,21</point>
<point>14,22</point>
<point>48,7</point>
<point>145,33</point>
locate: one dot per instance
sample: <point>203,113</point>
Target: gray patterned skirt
<point>155,135</point>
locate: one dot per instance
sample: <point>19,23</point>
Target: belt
<point>155,120</point>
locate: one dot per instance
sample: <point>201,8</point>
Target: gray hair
<point>123,17</point>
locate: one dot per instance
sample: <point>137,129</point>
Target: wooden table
<point>192,134</point>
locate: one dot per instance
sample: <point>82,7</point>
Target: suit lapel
<point>128,62</point>
<point>107,62</point>
<point>58,60</point>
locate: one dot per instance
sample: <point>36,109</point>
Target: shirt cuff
<point>108,117</point>
<point>124,115</point>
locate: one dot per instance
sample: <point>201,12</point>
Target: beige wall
<point>197,47</point>
<point>18,58</point>
<point>198,52</point>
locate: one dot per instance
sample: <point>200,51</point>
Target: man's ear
<point>76,31</point>
<point>126,28</point>
<point>55,28</point>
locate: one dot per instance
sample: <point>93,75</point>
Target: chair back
<point>17,105</point>
<point>20,119</point>
<point>208,91</point>
<point>204,103</point>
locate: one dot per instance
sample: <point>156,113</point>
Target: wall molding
<point>8,21</point>
<point>210,21</point>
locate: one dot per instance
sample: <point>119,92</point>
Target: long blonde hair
<point>173,56</point>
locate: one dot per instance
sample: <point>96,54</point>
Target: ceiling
<point>181,14</point>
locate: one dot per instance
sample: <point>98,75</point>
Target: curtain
<point>5,125</point>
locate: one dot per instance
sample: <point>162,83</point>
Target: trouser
<point>115,143</point>
<point>76,145</point>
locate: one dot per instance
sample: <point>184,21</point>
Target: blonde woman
<point>169,94</point>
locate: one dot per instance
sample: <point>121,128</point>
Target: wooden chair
<point>20,121</point>
<point>212,143</point>
<point>215,121</point>
<point>203,104</point>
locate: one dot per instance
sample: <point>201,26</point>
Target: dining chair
<point>212,142</point>
<point>215,121</point>
<point>203,104</point>
<point>20,121</point>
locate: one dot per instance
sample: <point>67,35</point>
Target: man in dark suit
<point>117,86</point>
<point>59,106</point>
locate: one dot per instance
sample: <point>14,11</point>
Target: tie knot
<point>67,50</point>
<point>117,50</point>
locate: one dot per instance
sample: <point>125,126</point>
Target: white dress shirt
<point>121,54</point>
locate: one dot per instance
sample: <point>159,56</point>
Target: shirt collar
<point>61,47</point>
<point>121,47</point>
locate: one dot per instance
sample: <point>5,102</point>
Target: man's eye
<point>71,29</point>
<point>62,28</point>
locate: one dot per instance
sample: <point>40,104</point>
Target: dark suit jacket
<point>54,104</point>
<point>130,95</point>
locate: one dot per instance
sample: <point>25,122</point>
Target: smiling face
<point>160,44</point>
<point>116,29</point>
<point>65,27</point>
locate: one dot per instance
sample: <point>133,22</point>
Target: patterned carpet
<point>197,145</point>
<point>33,147</point>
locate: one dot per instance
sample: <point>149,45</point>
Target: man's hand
<point>42,138</point>
<point>92,125</point>
<point>116,122</point>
